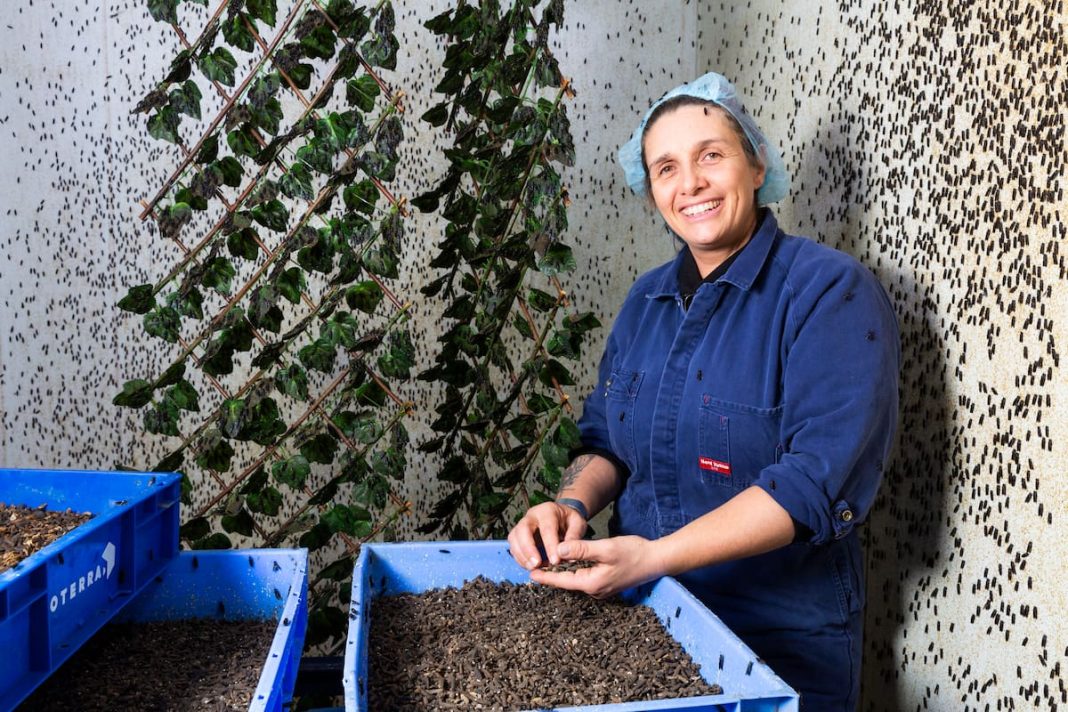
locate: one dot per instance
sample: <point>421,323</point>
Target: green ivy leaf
<point>381,51</point>
<point>138,300</point>
<point>361,197</point>
<point>539,300</point>
<point>318,355</point>
<point>231,170</point>
<point>554,369</point>
<point>218,275</point>
<point>293,381</point>
<point>320,449</point>
<point>164,10</point>
<point>236,33</point>
<point>163,125</point>
<point>352,22</point>
<point>209,150</point>
<point>297,182</point>
<point>292,472</point>
<point>301,75</point>
<point>195,529</point>
<point>269,116</point>
<point>317,155</point>
<point>265,10</point>
<point>539,403</point>
<point>354,521</point>
<point>232,417</point>
<point>437,115</point>
<point>361,92</point>
<point>364,429</point>
<point>172,375</point>
<point>242,143</point>
<point>214,452</point>
<point>381,262</point>
<point>184,396</point>
<point>364,296</point>
<point>318,256</point>
<point>264,423</point>
<point>240,523</point>
<point>163,323</point>
<point>190,303</point>
<point>341,330</point>
<point>219,66</point>
<point>291,284</point>
<point>272,215</point>
<point>217,541</point>
<point>399,359</point>
<point>135,394</point>
<point>186,99</point>
<point>522,325</point>
<point>582,323</point>
<point>378,165</point>
<point>319,43</point>
<point>557,260</point>
<point>268,501</point>
<point>243,244</point>
<point>263,311</point>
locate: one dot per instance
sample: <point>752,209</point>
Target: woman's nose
<point>692,179</point>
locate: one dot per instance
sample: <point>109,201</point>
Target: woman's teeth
<point>701,208</point>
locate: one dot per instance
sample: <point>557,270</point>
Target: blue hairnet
<point>715,88</point>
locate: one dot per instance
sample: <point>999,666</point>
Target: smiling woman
<point>745,408</point>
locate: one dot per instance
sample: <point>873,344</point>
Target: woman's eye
<point>664,170</point>
<point>712,155</point>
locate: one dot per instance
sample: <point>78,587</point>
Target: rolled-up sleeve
<point>840,395</point>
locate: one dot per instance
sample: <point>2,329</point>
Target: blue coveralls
<point>782,374</point>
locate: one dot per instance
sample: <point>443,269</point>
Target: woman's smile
<point>701,210</point>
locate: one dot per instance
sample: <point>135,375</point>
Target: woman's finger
<point>521,543</point>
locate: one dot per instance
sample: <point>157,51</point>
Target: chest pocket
<point>620,392</point>
<point>735,442</point>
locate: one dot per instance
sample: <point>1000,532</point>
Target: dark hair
<point>677,102</point>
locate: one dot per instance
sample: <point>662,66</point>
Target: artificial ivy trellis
<point>505,414</point>
<point>321,474</point>
<point>354,424</point>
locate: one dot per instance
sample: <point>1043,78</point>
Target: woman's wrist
<point>575,504</point>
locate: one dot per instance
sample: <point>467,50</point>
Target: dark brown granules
<point>169,666</point>
<point>569,566</point>
<point>26,530</point>
<point>506,647</point>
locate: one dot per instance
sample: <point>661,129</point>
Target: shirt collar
<point>745,268</point>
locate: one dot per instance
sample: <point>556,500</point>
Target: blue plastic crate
<point>241,584</point>
<point>388,569</point>
<point>54,600</point>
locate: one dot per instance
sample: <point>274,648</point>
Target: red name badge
<point>707,463</point>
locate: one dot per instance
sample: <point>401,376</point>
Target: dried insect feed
<point>489,646</point>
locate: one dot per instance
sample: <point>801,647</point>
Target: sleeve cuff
<point>816,520</point>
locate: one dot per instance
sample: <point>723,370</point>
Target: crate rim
<point>97,520</point>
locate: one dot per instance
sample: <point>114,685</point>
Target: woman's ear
<point>761,169</point>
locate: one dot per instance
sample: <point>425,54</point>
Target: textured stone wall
<point>926,140</point>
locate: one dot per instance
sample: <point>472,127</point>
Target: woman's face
<point>702,182</point>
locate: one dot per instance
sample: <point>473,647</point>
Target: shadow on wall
<point>906,527</point>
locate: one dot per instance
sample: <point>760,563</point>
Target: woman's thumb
<point>573,550</point>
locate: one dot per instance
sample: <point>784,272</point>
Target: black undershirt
<point>689,278</point>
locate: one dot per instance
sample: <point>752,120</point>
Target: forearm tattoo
<point>572,472</point>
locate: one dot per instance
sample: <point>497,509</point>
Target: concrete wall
<point>927,142</point>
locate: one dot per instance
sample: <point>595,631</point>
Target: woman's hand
<point>620,562</point>
<point>551,523</point>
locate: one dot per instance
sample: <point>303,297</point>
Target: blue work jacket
<point>782,374</point>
